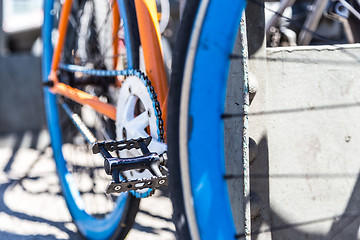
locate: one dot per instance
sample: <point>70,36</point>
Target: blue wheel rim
<point>89,226</point>
<point>206,104</point>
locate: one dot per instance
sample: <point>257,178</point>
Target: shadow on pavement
<point>31,205</point>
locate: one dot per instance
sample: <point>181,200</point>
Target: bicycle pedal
<point>140,143</point>
<point>137,184</point>
<point>116,167</point>
<point>124,164</point>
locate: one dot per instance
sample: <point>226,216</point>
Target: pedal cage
<point>136,184</point>
<point>114,166</point>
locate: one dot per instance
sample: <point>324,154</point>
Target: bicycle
<point>308,16</point>
<point>199,177</point>
<point>100,45</point>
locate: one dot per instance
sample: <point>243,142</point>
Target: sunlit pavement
<point>31,204</point>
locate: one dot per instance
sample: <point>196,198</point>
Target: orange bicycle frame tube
<point>116,23</point>
<point>65,90</point>
<point>63,23</point>
<point>150,41</point>
<point>150,38</point>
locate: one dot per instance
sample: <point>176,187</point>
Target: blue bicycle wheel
<point>90,43</point>
<point>202,206</point>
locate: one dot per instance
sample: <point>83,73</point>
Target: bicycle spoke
<point>111,8</point>
<point>74,20</point>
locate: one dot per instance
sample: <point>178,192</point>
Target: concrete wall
<point>21,106</point>
<point>305,120</point>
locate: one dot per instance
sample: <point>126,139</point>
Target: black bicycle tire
<point>179,57</point>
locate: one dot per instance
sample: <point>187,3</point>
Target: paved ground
<point>31,205</point>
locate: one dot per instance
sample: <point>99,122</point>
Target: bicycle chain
<point>125,73</point>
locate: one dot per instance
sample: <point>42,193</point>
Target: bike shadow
<point>31,202</point>
<point>31,205</point>
<point>271,223</point>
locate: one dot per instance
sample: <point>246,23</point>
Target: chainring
<point>138,115</point>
